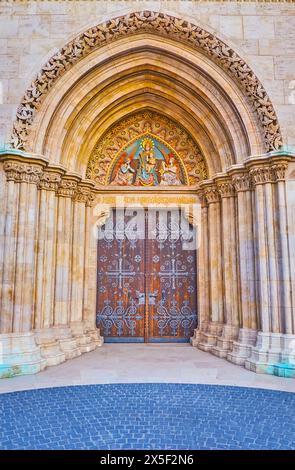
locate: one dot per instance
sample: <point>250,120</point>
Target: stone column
<point>230,274</point>
<point>20,353</point>
<point>28,178</point>
<point>3,194</point>
<point>80,330</point>
<point>203,275</point>
<point>248,321</point>
<point>62,294</point>
<point>9,249</point>
<point>90,272</point>
<point>215,269</point>
<point>286,309</point>
<point>286,312</point>
<point>268,348</point>
<point>45,269</point>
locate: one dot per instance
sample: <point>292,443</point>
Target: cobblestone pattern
<point>147,416</point>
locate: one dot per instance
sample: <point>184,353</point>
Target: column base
<point>19,355</point>
<point>67,343</point>
<point>273,354</point>
<point>83,338</point>
<point>242,348</point>
<point>49,347</point>
<point>225,341</point>
<point>93,333</point>
<point>209,339</point>
<point>196,338</point>
<point>266,353</point>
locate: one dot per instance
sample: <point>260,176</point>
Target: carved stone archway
<point>159,24</point>
<point>48,203</point>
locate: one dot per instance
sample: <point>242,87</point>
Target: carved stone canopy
<point>159,24</point>
<point>146,124</point>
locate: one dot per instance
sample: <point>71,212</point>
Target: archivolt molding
<point>118,136</point>
<point>159,24</point>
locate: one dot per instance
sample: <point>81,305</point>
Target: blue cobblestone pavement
<point>147,416</point>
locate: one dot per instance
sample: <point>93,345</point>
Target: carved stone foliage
<point>160,24</point>
<point>108,147</point>
<point>22,172</point>
<point>242,182</point>
<point>279,171</point>
<point>269,174</point>
<point>67,188</point>
<point>50,181</point>
<point>211,194</point>
<point>82,194</point>
<point>261,175</point>
<point>226,189</point>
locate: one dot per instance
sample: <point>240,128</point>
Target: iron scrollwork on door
<point>120,306</point>
<point>146,285</point>
<point>173,315</point>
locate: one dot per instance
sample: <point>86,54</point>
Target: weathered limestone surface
<point>263,33</point>
<point>246,283</point>
<point>42,267</point>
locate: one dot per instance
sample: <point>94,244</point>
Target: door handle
<point>140,297</point>
<point>152,297</point>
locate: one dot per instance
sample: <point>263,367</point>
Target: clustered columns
<point>250,317</point>
<point>44,315</point>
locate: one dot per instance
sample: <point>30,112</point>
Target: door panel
<point>171,279</point>
<point>147,278</point>
<point>121,267</point>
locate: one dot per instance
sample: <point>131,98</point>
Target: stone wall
<point>47,253</point>
<point>263,33</point>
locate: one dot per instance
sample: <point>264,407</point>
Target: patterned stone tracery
<point>160,24</point>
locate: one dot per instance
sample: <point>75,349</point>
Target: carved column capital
<point>82,194</point>
<point>226,189</point>
<point>91,199</point>
<point>242,182</point>
<point>202,198</point>
<point>212,194</point>
<point>279,171</point>
<point>50,180</point>
<point>67,188</point>
<point>22,172</point>
<point>261,175</point>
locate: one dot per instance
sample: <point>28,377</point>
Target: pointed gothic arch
<point>161,25</point>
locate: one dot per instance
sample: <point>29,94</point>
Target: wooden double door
<point>146,283</point>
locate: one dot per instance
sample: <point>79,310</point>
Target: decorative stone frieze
<point>21,172</point>
<point>162,25</point>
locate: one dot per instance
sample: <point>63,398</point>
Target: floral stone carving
<point>159,24</point>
